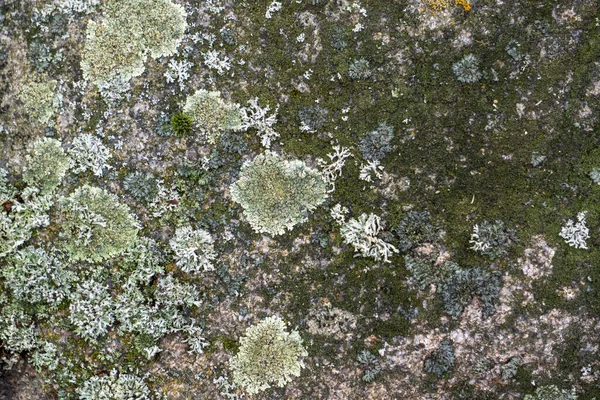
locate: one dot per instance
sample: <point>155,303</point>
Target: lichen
<point>211,114</point>
<point>276,193</point>
<point>96,226</point>
<point>375,145</point>
<point>268,355</point>
<point>467,69</point>
<point>40,100</point>
<point>118,44</point>
<point>193,249</point>
<point>47,164</point>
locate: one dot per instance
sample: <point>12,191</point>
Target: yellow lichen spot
<point>439,5</point>
<point>464,3</point>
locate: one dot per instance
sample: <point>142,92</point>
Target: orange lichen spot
<point>439,5</point>
<point>464,3</point>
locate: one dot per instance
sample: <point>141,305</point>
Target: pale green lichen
<point>467,69</point>
<point>370,365</point>
<point>157,25</point>
<point>96,225</point>
<point>108,53</point>
<point>268,355</point>
<point>45,357</point>
<point>91,310</point>
<point>362,233</point>
<point>193,249</point>
<point>7,191</point>
<point>118,45</point>
<point>157,315</point>
<point>89,153</point>
<point>211,114</point>
<point>40,100</point>
<point>276,194</point>
<point>47,164</point>
<point>17,330</point>
<point>24,217</point>
<point>115,386</point>
<point>359,69</point>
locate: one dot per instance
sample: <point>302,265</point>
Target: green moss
<point>524,379</point>
<point>384,292</point>
<point>229,344</point>
<point>181,124</point>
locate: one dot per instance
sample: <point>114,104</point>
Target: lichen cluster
<point>276,193</point>
<point>118,44</point>
<point>35,276</point>
<point>411,186</point>
<point>376,144</point>
<point>193,249</point>
<point>47,164</point>
<point>211,114</point>
<point>96,225</point>
<point>268,355</point>
<point>115,386</point>
<point>40,100</point>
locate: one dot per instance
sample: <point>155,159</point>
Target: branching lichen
<point>115,386</point>
<point>91,309</point>
<point>88,152</point>
<point>26,215</point>
<point>193,249</point>
<point>362,234</point>
<point>492,239</point>
<point>37,277</point>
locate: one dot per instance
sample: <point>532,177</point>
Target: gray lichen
<point>467,69</point>
<point>440,361</point>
